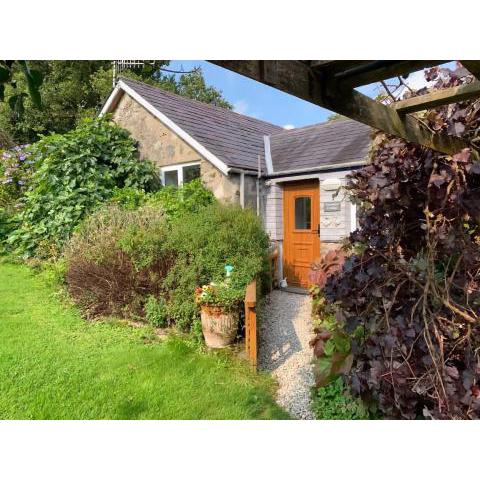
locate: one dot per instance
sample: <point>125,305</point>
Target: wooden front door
<point>301,221</point>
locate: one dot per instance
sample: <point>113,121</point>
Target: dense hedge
<point>116,259</point>
<point>145,263</point>
<point>207,240</point>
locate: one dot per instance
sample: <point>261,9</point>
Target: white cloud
<point>289,126</point>
<point>241,106</point>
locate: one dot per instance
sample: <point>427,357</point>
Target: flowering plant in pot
<point>219,310</point>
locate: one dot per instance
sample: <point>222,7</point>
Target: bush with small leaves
<point>116,259</point>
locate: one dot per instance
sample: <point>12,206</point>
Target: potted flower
<point>219,310</point>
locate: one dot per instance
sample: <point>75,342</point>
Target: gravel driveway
<point>284,332</point>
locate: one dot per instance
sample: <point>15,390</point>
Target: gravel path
<point>284,333</point>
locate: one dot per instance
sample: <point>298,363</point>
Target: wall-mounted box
<point>331,206</point>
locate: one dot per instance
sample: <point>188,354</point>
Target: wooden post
<point>251,323</point>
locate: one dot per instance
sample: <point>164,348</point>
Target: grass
<point>55,365</point>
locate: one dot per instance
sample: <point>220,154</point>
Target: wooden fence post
<point>251,323</point>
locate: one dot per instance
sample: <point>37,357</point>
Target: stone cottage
<point>291,178</point>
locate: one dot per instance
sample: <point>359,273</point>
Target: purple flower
<point>6,155</point>
<point>22,158</point>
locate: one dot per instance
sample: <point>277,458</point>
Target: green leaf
<point>34,81</point>
<point>5,75</point>
<point>16,103</point>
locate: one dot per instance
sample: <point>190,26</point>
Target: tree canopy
<point>71,90</point>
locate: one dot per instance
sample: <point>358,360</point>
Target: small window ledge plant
<point>219,310</point>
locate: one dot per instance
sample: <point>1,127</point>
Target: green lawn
<point>54,365</point>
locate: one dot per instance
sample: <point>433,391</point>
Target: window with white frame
<point>179,174</point>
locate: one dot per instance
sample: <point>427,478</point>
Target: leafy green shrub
<point>333,402</point>
<point>116,259</point>
<point>331,344</point>
<point>176,202</point>
<point>76,172</point>
<point>206,241</point>
<point>156,311</point>
<point>128,197</point>
<point>7,225</point>
<point>120,262</point>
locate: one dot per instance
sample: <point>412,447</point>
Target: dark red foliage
<point>323,267</point>
<point>414,283</point>
<point>115,287</point>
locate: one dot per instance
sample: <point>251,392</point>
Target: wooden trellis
<point>331,84</point>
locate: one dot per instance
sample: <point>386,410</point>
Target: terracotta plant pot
<point>219,327</point>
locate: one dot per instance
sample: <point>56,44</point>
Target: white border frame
<point>179,168</point>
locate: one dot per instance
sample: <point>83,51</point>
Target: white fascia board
<point>116,92</point>
<point>292,178</point>
<point>174,127</point>
<point>268,154</point>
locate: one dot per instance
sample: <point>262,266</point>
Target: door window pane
<point>171,178</point>
<point>303,212</point>
<point>191,173</point>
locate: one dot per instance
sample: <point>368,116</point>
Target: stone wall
<point>225,188</point>
<point>163,147</point>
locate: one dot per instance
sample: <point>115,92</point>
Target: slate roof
<point>331,143</point>
<point>235,139</point>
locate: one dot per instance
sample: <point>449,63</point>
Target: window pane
<point>171,178</point>
<point>303,207</point>
<point>191,173</point>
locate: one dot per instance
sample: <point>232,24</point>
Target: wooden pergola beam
<point>439,97</point>
<point>473,66</point>
<point>382,70</point>
<point>297,78</point>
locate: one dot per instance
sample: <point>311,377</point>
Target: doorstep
<point>298,290</point>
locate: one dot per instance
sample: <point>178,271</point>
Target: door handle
<point>318,230</point>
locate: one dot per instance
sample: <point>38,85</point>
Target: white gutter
<point>336,166</point>
<point>169,123</point>
<point>240,170</point>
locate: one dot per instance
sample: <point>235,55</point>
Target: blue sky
<point>260,101</point>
